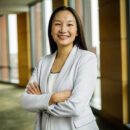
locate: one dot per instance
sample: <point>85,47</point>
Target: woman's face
<point>64,28</point>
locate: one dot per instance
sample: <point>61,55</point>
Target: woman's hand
<point>60,96</point>
<point>33,89</point>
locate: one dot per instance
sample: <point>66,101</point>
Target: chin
<point>64,44</point>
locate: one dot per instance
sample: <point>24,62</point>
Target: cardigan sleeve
<point>84,86</point>
<point>35,103</point>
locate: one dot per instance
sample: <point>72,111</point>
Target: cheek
<point>54,30</point>
<point>73,31</point>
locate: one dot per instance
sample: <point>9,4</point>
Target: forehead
<point>64,16</point>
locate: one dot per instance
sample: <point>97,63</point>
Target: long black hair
<point>79,40</point>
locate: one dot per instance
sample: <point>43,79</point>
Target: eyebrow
<point>55,20</point>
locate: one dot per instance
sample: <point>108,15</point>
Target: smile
<point>63,37</point>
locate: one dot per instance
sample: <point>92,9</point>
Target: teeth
<point>63,36</point>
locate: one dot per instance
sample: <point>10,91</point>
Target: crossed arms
<point>65,103</point>
<point>55,97</point>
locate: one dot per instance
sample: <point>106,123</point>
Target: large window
<point>36,33</point>
<point>95,47</point>
<point>39,15</point>
<point>13,49</point>
<point>8,49</point>
<point>4,56</point>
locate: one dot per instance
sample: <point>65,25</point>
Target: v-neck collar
<point>65,68</point>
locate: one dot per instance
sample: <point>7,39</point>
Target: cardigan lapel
<point>66,67</point>
<point>48,65</point>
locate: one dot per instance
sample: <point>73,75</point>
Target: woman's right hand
<point>60,96</point>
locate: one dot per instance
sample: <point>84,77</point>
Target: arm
<point>59,97</point>
<point>33,102</point>
<point>84,85</point>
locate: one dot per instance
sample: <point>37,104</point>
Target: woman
<point>63,82</point>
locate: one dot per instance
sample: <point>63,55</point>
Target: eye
<point>70,24</point>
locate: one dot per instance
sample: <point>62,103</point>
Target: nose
<point>63,29</point>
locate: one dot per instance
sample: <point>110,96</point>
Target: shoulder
<point>48,56</point>
<point>87,61</point>
<point>40,61</point>
<point>43,58</point>
<point>86,55</point>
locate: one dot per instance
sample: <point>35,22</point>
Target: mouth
<point>62,37</point>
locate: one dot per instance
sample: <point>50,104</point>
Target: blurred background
<point>24,39</point>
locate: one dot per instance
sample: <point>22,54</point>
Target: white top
<point>50,84</point>
<point>51,80</point>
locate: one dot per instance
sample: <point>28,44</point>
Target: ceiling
<point>15,6</point>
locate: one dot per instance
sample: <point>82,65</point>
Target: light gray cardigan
<point>78,74</point>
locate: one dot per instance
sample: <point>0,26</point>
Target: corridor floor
<point>13,117</point>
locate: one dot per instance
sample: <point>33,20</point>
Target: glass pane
<point>95,47</point>
<point>4,62</point>
<point>39,30</point>
<point>36,33</point>
<point>13,49</point>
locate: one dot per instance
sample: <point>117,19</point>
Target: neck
<point>63,51</point>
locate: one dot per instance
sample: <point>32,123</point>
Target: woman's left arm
<point>84,86</point>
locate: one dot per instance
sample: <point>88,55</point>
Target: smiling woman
<point>64,29</point>
<point>63,82</point>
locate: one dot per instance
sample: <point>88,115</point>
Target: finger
<point>35,84</point>
<point>33,88</point>
<point>38,89</point>
<point>29,92</point>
